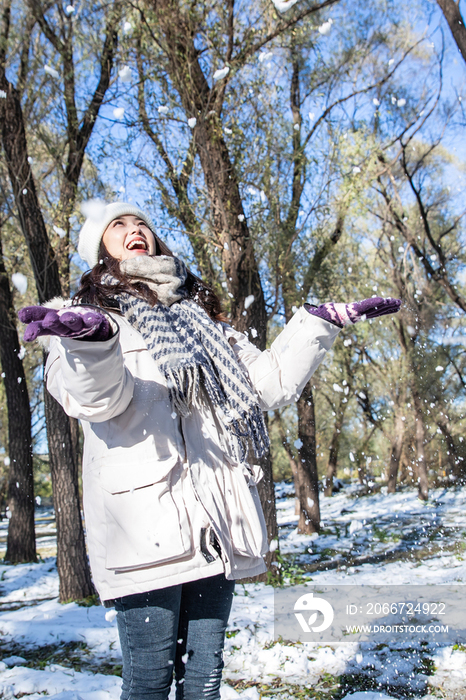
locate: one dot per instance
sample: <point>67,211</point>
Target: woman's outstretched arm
<point>280,373</point>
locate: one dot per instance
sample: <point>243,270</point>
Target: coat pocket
<point>146,521</point>
<point>246,520</point>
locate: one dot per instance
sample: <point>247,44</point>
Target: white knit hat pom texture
<point>99,216</point>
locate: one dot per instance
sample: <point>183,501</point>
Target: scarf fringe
<point>249,430</point>
<point>185,383</point>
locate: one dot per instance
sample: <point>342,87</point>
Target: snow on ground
<point>70,652</point>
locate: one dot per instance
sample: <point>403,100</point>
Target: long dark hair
<point>94,291</point>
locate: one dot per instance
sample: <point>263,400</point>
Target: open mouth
<point>137,244</point>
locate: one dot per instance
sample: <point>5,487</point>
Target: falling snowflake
<point>125,74</point>
<point>325,28</point>
<point>51,71</point>
<point>118,112</point>
<point>3,94</point>
<point>127,27</point>
<point>241,217</point>
<point>439,368</point>
<point>69,10</point>
<point>59,231</point>
<point>265,56</point>
<point>248,301</point>
<point>351,456</point>
<point>356,170</point>
<point>298,443</point>
<point>376,102</point>
<point>20,282</point>
<point>284,5</point>
<point>337,388</point>
<point>192,121</point>
<point>221,73</point>
<point>110,615</point>
<point>93,209</point>
<point>163,109</point>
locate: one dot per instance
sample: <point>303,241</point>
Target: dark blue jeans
<point>180,629</point>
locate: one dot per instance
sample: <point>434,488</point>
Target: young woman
<point>171,400</point>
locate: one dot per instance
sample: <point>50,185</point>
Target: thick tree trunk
<point>21,541</point>
<point>309,519</point>
<point>229,222</point>
<point>455,460</point>
<point>452,14</point>
<point>420,437</point>
<point>73,567</point>
<point>334,448</point>
<point>75,579</point>
<point>266,491</point>
<point>395,456</point>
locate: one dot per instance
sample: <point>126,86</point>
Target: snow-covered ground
<point>70,652</point>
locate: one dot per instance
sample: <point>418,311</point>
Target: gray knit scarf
<point>191,351</point>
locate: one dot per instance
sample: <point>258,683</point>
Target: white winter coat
<point>155,484</point>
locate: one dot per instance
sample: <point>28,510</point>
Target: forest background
<point>289,152</point>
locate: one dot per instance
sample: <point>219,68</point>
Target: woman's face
<point>127,237</point>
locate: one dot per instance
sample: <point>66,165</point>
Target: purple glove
<point>340,314</point>
<point>70,322</point>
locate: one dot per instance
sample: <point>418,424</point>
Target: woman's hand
<point>70,322</point>
<point>341,314</point>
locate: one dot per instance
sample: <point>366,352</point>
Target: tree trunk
<point>452,14</point>
<point>230,226</point>
<point>291,459</point>
<point>202,103</point>
<point>334,447</point>
<point>21,541</point>
<point>266,491</point>
<point>395,456</point>
<point>73,567</point>
<point>309,519</point>
<point>455,460</point>
<point>420,437</point>
<point>75,579</point>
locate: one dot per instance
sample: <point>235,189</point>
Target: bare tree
<point>21,541</point>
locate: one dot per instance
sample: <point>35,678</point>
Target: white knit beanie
<point>99,217</point>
